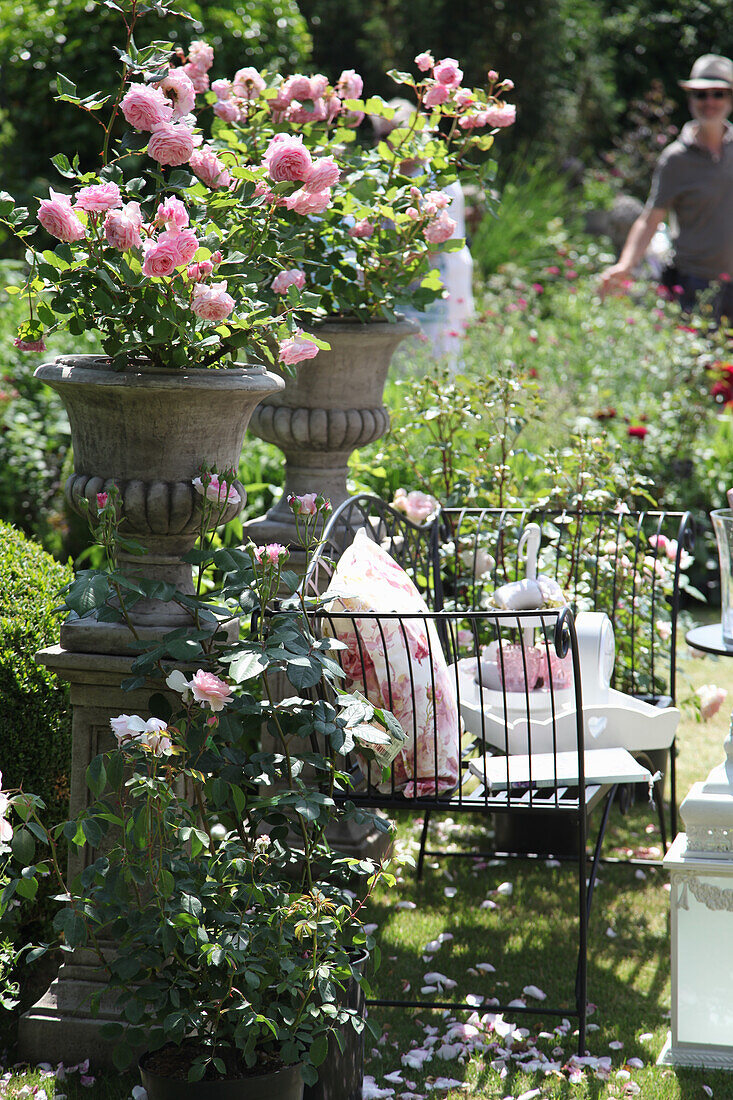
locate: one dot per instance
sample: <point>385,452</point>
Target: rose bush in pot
<point>226,925</point>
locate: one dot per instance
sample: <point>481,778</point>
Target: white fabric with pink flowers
<point>397,663</point>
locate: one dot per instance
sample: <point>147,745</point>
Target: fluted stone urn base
<point>331,408</point>
<point>148,431</point>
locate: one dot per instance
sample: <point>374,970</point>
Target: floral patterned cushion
<point>397,663</point>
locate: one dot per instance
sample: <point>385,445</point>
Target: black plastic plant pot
<point>285,1083</point>
<point>340,1074</point>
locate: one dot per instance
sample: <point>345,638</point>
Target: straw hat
<point>710,71</point>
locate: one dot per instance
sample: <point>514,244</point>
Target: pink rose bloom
<point>301,115</point>
<point>297,87</point>
<point>122,227</point>
<point>222,89</point>
<point>711,699</point>
<point>201,54</point>
<point>284,279</point>
<point>472,121</point>
<point>424,61</point>
<point>217,489</point>
<point>436,95</point>
<point>160,259</point>
<point>154,736</point>
<point>308,202</point>
<point>98,198</point>
<point>352,119</point>
<point>296,348</point>
<point>247,83</point>
<point>287,159</point>
<point>436,200</point>
<point>196,272</point>
<point>448,73</point>
<point>272,554</point>
<point>322,174</point>
<point>210,170</point>
<point>501,116</point>
<point>180,91</point>
<point>183,241</point>
<point>28,345</point>
<point>350,85</point>
<point>172,143</point>
<point>172,214</point>
<point>226,110</point>
<point>58,218</point>
<point>363,228</point>
<point>416,505</point>
<point>208,688</point>
<point>212,303</point>
<point>198,77</point>
<point>463,98</point>
<point>440,229</point>
<point>102,499</point>
<point>145,107</point>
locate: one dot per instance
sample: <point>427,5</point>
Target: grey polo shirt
<point>698,188</point>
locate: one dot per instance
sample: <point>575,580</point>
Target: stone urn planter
<point>148,431</point>
<point>331,408</point>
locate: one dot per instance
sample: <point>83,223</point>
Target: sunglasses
<point>711,93</point>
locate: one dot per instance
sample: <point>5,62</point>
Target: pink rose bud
<point>296,349</point>
<point>350,85</point>
<point>102,499</point>
<point>212,303</point>
<point>217,488</point>
<point>306,504</point>
<point>58,218</point>
<point>447,72</point>
<point>172,214</point>
<point>122,227</point>
<point>285,279</point>
<point>363,229</point>
<point>492,75</point>
<point>424,61</point>
<point>216,258</point>
<point>287,159</point>
<point>179,89</point>
<point>205,164</point>
<point>439,230</point>
<point>172,143</point>
<point>145,107</point>
<point>26,345</point>
<point>507,85</point>
<point>248,84</point>
<point>201,54</point>
<point>196,272</point>
<point>272,554</point>
<point>436,95</point>
<point>501,116</point>
<point>208,688</point>
<point>322,174</point>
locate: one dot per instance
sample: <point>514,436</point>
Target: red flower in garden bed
<point>637,431</point>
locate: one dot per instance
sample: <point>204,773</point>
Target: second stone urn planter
<point>148,431</point>
<point>331,408</point>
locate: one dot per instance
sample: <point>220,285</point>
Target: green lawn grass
<point>529,939</point>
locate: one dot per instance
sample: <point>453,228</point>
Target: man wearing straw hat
<point>693,181</point>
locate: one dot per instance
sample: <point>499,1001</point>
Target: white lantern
<point>701,866</point>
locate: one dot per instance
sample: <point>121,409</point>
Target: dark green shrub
<point>35,726</point>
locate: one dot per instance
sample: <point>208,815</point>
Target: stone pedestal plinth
<point>61,1026</point>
